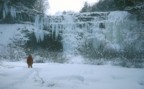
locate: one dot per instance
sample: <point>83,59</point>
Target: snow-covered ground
<point>16,75</point>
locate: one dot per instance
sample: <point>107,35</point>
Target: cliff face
<point>17,11</point>
<point>97,31</point>
<point>90,33</point>
<point>137,9</point>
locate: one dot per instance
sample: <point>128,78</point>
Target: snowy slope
<point>16,75</point>
<point>9,31</point>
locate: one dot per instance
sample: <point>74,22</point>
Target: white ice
<point>9,31</point>
<point>39,33</point>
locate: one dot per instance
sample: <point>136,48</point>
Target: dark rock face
<point>137,9</point>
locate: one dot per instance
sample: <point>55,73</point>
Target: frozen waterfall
<point>97,28</point>
<point>70,35</point>
<point>39,33</point>
<point>9,10</point>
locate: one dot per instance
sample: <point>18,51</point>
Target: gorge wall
<point>94,32</point>
<point>89,34</point>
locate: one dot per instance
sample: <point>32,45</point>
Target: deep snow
<point>16,75</point>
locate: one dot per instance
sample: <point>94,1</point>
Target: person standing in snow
<point>29,61</point>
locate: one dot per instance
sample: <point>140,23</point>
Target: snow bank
<point>16,75</point>
<point>76,60</point>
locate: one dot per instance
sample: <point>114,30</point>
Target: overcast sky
<point>66,5</point>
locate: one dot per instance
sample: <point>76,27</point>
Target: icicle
<point>39,28</point>
<point>56,31</point>
<point>4,14</point>
<point>5,10</point>
<point>13,12</point>
<point>53,29</point>
<point>36,21</point>
<point>36,24</point>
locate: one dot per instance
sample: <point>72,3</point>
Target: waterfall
<point>118,26</point>
<point>39,33</point>
<point>69,36</point>
<point>109,29</point>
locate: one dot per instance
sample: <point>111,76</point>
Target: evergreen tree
<point>111,5</point>
<point>41,5</point>
<point>86,8</point>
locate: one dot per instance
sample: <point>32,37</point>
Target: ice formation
<point>69,35</point>
<point>98,28</point>
<point>9,10</point>
<point>39,33</point>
